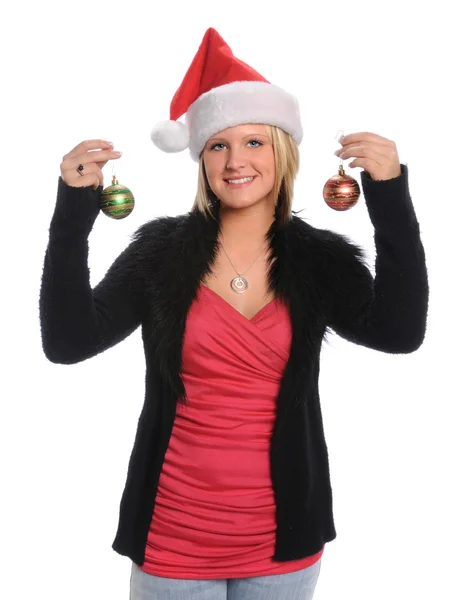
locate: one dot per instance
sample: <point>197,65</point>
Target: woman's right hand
<point>93,162</point>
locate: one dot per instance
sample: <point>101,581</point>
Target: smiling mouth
<point>242,182</point>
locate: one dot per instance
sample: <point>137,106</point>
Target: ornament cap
<point>171,136</point>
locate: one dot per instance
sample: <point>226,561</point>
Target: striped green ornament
<point>117,201</point>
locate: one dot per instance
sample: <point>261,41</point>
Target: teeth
<point>244,180</point>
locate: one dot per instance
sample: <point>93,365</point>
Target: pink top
<point>214,516</point>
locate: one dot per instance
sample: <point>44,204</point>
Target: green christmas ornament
<point>117,201</point>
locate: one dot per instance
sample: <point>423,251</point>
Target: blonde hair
<point>286,153</point>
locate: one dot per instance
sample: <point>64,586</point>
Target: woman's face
<point>239,152</point>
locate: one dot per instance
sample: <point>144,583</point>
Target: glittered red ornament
<point>341,192</point>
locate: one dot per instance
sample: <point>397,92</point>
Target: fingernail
<point>118,153</point>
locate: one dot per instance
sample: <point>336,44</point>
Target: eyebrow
<point>245,136</point>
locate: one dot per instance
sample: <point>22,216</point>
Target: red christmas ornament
<point>341,191</point>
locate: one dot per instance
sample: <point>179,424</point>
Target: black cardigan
<point>320,274</point>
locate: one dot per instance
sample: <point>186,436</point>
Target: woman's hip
<point>298,585</point>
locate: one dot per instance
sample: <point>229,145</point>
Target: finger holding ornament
<point>92,160</point>
<point>376,154</point>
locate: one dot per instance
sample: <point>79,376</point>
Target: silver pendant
<point>239,285</point>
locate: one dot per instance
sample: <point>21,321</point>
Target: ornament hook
<point>337,139</point>
<point>114,177</point>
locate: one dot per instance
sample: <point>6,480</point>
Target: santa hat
<point>220,91</point>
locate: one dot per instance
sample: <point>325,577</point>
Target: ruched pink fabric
<point>214,516</point>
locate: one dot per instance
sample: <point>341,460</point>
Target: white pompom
<point>171,136</point>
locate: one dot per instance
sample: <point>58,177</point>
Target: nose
<point>236,159</point>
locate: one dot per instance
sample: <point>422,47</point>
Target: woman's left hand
<point>374,153</point>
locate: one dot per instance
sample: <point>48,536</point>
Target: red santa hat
<point>220,91</point>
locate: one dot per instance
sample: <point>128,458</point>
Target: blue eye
<point>251,141</point>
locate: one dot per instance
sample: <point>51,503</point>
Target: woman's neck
<point>244,229</point>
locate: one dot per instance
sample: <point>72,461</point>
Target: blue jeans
<point>299,585</point>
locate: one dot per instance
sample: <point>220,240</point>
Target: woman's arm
<point>76,321</point>
<point>387,313</point>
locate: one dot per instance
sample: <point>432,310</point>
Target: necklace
<point>239,284</point>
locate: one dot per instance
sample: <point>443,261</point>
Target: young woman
<point>228,492</point>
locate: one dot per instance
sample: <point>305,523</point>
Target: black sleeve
<point>387,313</point>
<point>77,322</point>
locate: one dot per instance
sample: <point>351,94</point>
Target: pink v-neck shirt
<point>214,516</point>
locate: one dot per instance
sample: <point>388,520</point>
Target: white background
<point>88,69</point>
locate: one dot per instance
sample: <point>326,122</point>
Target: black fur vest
<point>323,278</point>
